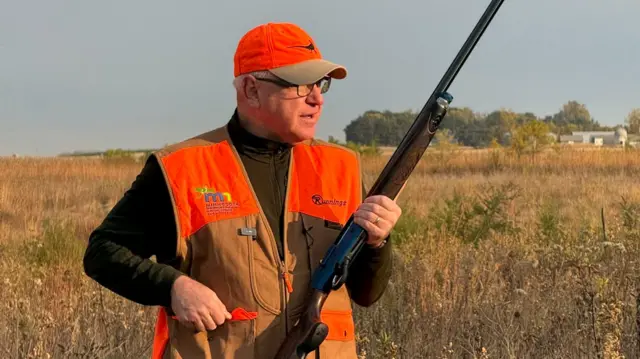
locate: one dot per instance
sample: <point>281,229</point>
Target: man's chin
<point>304,134</point>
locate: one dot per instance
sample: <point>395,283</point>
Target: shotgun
<point>309,332</point>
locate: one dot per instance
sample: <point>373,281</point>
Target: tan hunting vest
<point>225,242</point>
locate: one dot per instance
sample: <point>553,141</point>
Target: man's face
<point>289,113</point>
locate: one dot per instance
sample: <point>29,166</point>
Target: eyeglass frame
<point>285,84</point>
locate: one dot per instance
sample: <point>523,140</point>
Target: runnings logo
<point>319,201</point>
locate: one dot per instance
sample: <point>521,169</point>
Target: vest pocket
<point>235,338</point>
<point>264,280</point>
<point>320,235</point>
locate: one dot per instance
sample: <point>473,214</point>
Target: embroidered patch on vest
<point>216,201</point>
<point>318,200</point>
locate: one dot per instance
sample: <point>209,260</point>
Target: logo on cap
<point>309,47</point>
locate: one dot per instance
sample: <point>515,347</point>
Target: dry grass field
<point>495,257</point>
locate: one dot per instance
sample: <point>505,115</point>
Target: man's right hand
<point>196,305</point>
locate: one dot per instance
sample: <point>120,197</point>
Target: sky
<point>80,75</point>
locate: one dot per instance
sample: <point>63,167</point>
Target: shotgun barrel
<point>309,332</point>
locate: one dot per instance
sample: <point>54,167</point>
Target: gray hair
<point>265,74</point>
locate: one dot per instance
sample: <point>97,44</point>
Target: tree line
<point>469,128</point>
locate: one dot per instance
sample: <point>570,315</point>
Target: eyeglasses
<point>303,90</point>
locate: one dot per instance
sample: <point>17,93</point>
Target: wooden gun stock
<point>308,333</point>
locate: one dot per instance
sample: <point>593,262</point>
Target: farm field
<point>495,257</point>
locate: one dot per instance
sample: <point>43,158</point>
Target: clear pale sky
<point>89,75</point>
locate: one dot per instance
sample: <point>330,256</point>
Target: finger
<point>386,203</point>
<point>218,310</point>
<point>198,326</point>
<point>372,229</point>
<point>208,321</point>
<point>391,214</point>
<point>381,200</point>
<point>374,225</point>
<point>374,208</point>
<point>369,216</point>
<point>227,314</point>
<point>224,310</point>
<point>219,315</point>
<point>381,218</point>
<point>187,323</point>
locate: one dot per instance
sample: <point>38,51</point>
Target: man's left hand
<point>377,215</point>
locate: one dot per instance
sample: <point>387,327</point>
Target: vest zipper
<point>287,288</point>
<point>281,261</point>
<point>285,284</point>
<point>284,281</point>
<point>278,197</point>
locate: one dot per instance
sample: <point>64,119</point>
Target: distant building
<point>571,139</point>
<point>621,137</point>
<point>597,138</point>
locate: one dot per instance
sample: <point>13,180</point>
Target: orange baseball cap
<point>287,51</point>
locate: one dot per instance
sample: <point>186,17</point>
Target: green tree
<point>385,128</point>
<point>444,139</point>
<point>469,128</point>
<point>574,112</point>
<point>633,121</point>
<point>575,116</point>
<point>531,137</point>
<point>466,126</point>
<point>500,124</point>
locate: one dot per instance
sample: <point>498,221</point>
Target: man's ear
<point>250,91</point>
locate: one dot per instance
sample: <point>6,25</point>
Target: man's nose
<point>315,97</point>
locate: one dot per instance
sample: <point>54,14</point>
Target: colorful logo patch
<point>216,201</point>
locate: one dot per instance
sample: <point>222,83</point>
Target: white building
<point>597,138</point>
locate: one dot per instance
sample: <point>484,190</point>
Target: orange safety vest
<point>225,242</point>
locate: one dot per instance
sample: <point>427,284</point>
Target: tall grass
<point>495,257</point>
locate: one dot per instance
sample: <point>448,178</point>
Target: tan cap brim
<point>310,71</point>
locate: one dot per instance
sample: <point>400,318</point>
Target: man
<point>239,217</point>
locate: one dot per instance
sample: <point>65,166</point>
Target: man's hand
<point>196,306</point>
<point>377,215</point>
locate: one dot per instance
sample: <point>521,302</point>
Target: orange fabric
<point>340,323</point>
<point>208,185</point>
<point>273,45</point>
<point>287,282</point>
<point>161,335</point>
<point>242,314</point>
<point>236,314</point>
<point>325,182</point>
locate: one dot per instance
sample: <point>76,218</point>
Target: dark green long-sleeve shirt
<point>141,225</point>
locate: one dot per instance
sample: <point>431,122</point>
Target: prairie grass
<point>495,257</point>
